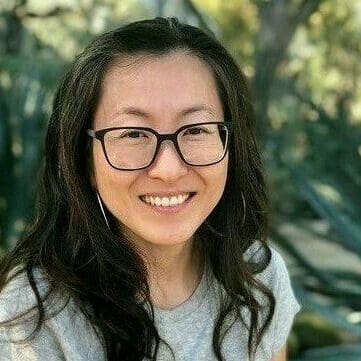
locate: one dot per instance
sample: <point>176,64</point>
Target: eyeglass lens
<point>133,148</point>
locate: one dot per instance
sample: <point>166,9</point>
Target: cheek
<point>100,168</point>
<point>220,177</point>
<point>216,179</point>
<point>114,190</point>
<point>222,182</point>
<point>95,167</point>
<point>111,184</point>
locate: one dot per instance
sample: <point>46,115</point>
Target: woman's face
<point>160,88</point>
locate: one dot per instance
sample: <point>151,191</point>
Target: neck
<point>174,272</point>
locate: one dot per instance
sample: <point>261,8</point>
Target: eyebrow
<point>142,113</point>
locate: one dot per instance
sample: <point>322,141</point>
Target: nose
<point>168,165</point>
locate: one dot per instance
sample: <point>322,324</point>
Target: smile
<point>166,201</point>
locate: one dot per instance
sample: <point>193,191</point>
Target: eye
<point>196,130</point>
<point>129,135</point>
<point>133,134</point>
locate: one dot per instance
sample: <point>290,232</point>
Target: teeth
<point>166,201</point>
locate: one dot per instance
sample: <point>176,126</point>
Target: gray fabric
<point>187,328</point>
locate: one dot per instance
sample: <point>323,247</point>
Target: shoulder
<point>17,295</point>
<point>276,277</point>
<point>276,272</point>
<point>65,331</point>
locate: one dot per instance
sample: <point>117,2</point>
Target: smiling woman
<point>150,239</point>
<point>147,84</point>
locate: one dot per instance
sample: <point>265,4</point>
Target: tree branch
<point>305,10</point>
<point>22,13</point>
<point>199,16</point>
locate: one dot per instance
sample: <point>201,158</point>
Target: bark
<point>279,20</point>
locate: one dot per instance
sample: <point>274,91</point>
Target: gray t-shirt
<point>187,328</point>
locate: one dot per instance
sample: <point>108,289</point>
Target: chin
<point>164,238</point>
<point>165,234</point>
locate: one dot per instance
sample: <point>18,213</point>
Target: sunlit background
<point>303,62</point>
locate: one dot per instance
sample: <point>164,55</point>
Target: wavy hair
<point>83,259</point>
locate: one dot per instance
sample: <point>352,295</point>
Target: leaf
<point>350,232</point>
<point>332,353</point>
<point>328,312</point>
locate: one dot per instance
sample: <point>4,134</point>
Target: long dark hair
<point>84,259</point>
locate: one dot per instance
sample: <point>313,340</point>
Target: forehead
<point>161,86</point>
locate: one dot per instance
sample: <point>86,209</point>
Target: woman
<point>151,227</point>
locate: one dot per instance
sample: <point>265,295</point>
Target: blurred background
<point>302,59</point>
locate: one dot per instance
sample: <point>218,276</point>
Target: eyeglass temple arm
<point>91,132</point>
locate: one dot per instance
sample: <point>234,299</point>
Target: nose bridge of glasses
<point>170,139</point>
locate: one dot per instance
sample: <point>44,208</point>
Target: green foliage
<point>313,331</point>
<point>333,353</point>
<point>38,43</point>
<point>302,60</point>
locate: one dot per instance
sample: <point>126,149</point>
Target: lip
<point>166,194</point>
<point>171,209</point>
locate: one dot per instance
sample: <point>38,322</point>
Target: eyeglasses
<point>134,148</point>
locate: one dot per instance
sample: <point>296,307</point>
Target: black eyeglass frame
<point>100,133</point>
